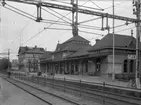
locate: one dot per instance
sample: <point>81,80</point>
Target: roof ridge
<point>73,38</point>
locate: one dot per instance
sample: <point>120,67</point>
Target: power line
<point>96,5</point>
<point>90,27</point>
<point>19,13</point>
<point>56,16</point>
<point>59,14</point>
<point>114,5</point>
<point>22,30</point>
<point>125,29</point>
<point>33,37</point>
<point>54,22</point>
<point>121,25</point>
<point>90,20</point>
<point>58,28</point>
<point>80,5</point>
<point>41,31</point>
<point>90,33</point>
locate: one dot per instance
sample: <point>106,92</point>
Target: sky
<point>16,30</point>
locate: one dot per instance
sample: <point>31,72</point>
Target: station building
<point>77,57</point>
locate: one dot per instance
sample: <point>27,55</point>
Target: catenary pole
<point>137,74</point>
<point>113,72</point>
<point>8,58</point>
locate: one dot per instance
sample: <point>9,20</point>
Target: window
<point>125,66</point>
<point>98,64</point>
<point>86,66</point>
<point>131,66</point>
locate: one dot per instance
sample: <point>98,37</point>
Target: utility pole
<point>113,73</point>
<point>136,11</point>
<point>8,58</point>
<point>74,17</point>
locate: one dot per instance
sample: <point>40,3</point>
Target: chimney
<point>97,40</point>
<point>35,46</point>
<point>132,32</point>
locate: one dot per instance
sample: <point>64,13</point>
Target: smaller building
<point>15,64</point>
<point>29,58</point>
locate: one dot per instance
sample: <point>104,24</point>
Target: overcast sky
<point>16,29</point>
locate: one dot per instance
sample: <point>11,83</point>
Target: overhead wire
<point>115,5</point>
<point>100,16</point>
<point>19,13</point>
<point>80,5</point>
<point>125,29</point>
<point>42,30</point>
<point>59,14</point>
<point>90,33</point>
<point>59,28</point>
<point>20,10</point>
<point>89,27</point>
<point>90,20</point>
<point>22,30</point>
<point>96,5</point>
<point>32,37</point>
<point>121,25</point>
<point>55,15</point>
<point>54,22</point>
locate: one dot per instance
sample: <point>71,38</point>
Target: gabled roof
<point>80,52</point>
<point>121,41</point>
<point>75,47</point>
<point>30,50</point>
<point>46,54</point>
<point>72,44</point>
<point>22,49</point>
<point>59,47</point>
<point>77,38</point>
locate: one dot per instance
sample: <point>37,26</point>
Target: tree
<point>4,63</point>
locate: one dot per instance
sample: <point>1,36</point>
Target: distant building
<point>15,64</point>
<point>77,57</point>
<point>29,58</point>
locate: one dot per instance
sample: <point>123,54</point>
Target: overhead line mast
<point>69,8</point>
<point>74,17</point>
<point>136,11</point>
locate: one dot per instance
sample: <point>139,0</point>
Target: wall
<point>24,59</point>
<point>104,66</point>
<point>91,67</point>
<point>119,59</point>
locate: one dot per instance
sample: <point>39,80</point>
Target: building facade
<point>29,58</point>
<point>15,64</point>
<point>77,57</point>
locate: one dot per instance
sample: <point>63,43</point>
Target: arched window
<point>125,66</point>
<point>131,66</point>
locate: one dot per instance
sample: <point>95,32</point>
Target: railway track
<point>107,98</point>
<point>47,97</point>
